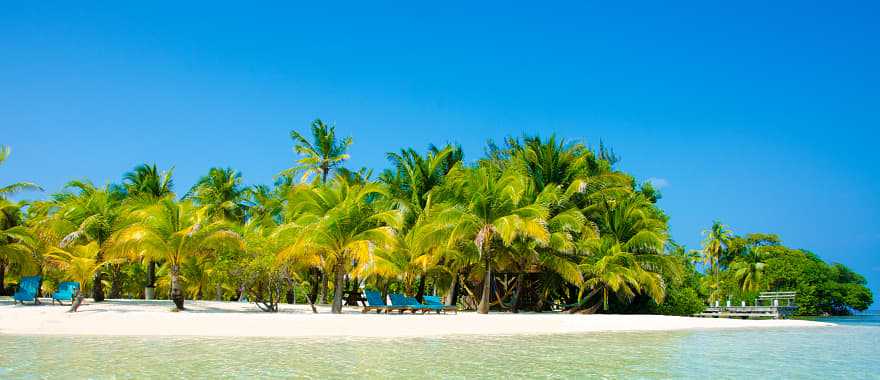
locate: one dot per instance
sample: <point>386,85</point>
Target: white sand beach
<point>209,318</point>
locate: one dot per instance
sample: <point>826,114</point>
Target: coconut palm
<point>612,271</point>
<point>146,181</point>
<point>749,270</point>
<point>172,232</point>
<point>145,184</point>
<point>14,188</point>
<point>321,154</point>
<point>220,195</point>
<point>79,263</point>
<point>416,176</point>
<point>17,243</point>
<point>714,244</point>
<point>488,207</point>
<point>96,214</point>
<point>412,184</point>
<point>265,204</point>
<point>344,223</point>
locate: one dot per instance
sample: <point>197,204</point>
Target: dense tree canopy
<point>535,224</point>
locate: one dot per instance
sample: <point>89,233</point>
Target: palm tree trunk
<point>76,302</point>
<point>98,287</point>
<point>420,295</point>
<point>315,283</point>
<point>520,277</point>
<point>176,291</point>
<point>483,308</point>
<point>452,296</point>
<point>338,287</point>
<point>325,287</point>
<point>2,277</point>
<point>218,293</point>
<point>151,280</point>
<point>116,281</point>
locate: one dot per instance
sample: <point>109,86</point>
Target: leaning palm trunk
<point>514,307</point>
<point>176,291</point>
<point>325,287</point>
<point>338,287</point>
<point>483,308</point>
<point>76,302</point>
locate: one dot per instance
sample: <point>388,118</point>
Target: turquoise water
<point>847,351</point>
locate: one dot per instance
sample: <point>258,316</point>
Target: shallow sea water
<point>848,351</point>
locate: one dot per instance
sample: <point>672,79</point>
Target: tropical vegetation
<point>535,224</point>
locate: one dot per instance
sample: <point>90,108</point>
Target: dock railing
<point>774,305</point>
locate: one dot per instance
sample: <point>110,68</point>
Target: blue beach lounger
<point>435,300</point>
<point>376,302</point>
<point>27,290</point>
<point>66,291</point>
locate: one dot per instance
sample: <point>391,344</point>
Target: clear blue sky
<point>762,116</point>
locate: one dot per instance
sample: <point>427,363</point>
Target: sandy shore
<point>208,318</point>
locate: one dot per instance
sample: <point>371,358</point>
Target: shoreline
<point>234,319</point>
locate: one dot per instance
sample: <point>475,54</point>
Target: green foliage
<point>542,212</point>
<point>683,301</point>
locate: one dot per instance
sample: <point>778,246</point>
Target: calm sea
<point>848,351</point>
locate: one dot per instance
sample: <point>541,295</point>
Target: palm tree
<point>489,208</point>
<point>96,214</point>
<point>715,243</point>
<point>79,263</point>
<point>220,195</point>
<point>265,204</point>
<point>16,241</point>
<point>344,223</point>
<point>146,181</point>
<point>611,270</point>
<point>412,184</point>
<point>144,185</point>
<point>416,176</point>
<point>173,232</point>
<point>749,270</point>
<point>14,188</point>
<point>320,155</point>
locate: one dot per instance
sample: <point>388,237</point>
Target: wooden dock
<point>779,305</point>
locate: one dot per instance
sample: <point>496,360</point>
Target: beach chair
<point>402,303</point>
<point>66,292</point>
<point>27,290</point>
<point>376,302</point>
<point>435,300</point>
<point>414,306</point>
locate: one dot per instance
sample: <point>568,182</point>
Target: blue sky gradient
<point>763,116</point>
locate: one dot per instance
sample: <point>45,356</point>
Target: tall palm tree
<point>489,209</point>
<point>320,155</point>
<point>172,232</point>
<point>145,184</point>
<point>412,184</point>
<point>17,243</point>
<point>717,240</point>
<point>220,195</point>
<point>79,263</point>
<point>14,188</point>
<point>343,222</point>
<point>96,214</point>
